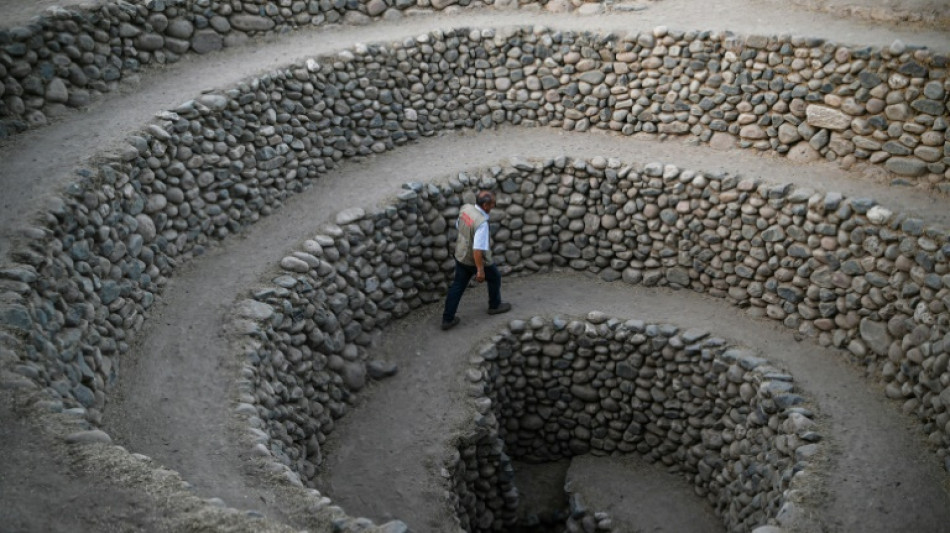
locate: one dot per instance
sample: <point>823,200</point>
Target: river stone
<point>381,369</point>
<point>592,77</point>
<point>216,102</point>
<point>180,29</point>
<point>247,22</point>
<point>678,275</point>
<point>294,264</point>
<point>722,141</point>
<point>906,166</point>
<point>773,234</point>
<point>827,117</point>
<point>150,42</point>
<point>878,214</point>
<point>146,227</point>
<point>254,310</point>
<point>802,152</point>
<point>875,335</point>
<point>752,131</point>
<point>376,7</point>
<point>17,317</point>
<point>349,216</point>
<point>206,41</point>
<point>93,436</point>
<point>585,393</point>
<point>56,91</point>
<point>354,375</point>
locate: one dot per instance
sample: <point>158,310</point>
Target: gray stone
<point>349,216</point>
<point>17,317</point>
<point>376,7</point>
<point>93,436</point>
<point>216,102</point>
<point>678,275</point>
<point>206,41</point>
<point>593,77</point>
<point>354,375</point>
<point>826,117</point>
<point>180,29</point>
<point>381,369</point>
<point>294,264</point>
<point>934,90</point>
<point>773,234</point>
<point>875,335</point>
<point>585,393</point>
<point>149,42</point>
<point>929,107</point>
<point>247,22</point>
<point>802,152</point>
<point>906,166</point>
<point>254,310</point>
<point>56,91</point>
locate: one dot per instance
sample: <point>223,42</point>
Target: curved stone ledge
<point>555,388</point>
<point>803,97</point>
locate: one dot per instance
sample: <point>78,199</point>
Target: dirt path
<point>879,480</point>
<point>173,405</point>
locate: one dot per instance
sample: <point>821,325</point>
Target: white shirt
<point>480,239</point>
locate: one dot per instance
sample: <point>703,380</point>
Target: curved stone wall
<point>721,416</point>
<point>681,398</point>
<point>802,97</point>
<point>66,57</point>
<point>854,274</point>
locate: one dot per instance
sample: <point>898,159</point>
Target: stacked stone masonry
<point>720,416</point>
<point>308,357</point>
<point>849,272</point>
<point>803,97</point>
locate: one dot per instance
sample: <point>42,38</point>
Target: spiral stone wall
<point>802,97</point>
<point>851,273</point>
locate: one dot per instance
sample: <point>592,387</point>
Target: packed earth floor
<point>174,399</point>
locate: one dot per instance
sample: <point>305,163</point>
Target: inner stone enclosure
<point>845,271</point>
<point>757,246</point>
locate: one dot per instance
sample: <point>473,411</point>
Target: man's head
<point>485,200</point>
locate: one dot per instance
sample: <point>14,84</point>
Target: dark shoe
<point>504,307</point>
<point>449,325</point>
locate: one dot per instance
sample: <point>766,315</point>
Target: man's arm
<point>480,265</point>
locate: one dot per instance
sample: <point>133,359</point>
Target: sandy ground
<point>172,402</point>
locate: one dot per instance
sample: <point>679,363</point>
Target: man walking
<point>473,258</point>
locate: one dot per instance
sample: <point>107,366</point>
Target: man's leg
<point>463,274</point>
<point>493,278</point>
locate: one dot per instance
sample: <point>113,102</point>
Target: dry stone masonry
<point>846,271</point>
<point>721,416</point>
<point>802,97</point>
<point>816,262</point>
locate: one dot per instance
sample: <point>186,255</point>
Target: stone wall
<point>66,57</point>
<point>802,97</point>
<point>817,262</point>
<point>720,416</point>
<point>851,273</point>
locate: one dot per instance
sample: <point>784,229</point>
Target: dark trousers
<point>464,274</point>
